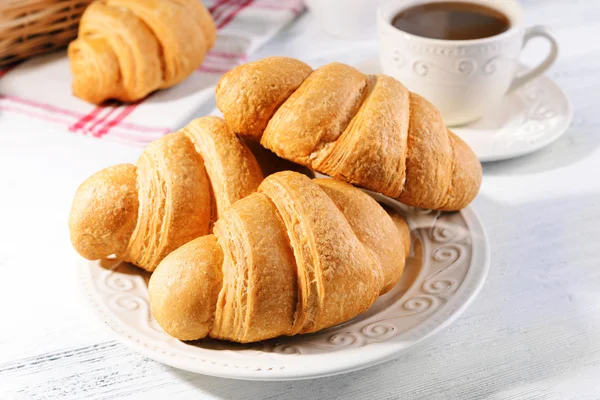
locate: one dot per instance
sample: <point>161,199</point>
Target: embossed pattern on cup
<point>462,78</point>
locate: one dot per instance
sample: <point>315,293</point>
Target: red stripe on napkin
<point>221,9</point>
<point>213,70</point>
<point>232,15</point>
<point>35,115</point>
<point>124,113</point>
<point>72,118</point>
<point>215,6</point>
<point>99,121</point>
<point>42,106</point>
<point>223,54</point>
<point>221,62</point>
<point>280,5</point>
<point>76,127</point>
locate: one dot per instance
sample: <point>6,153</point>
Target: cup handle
<point>530,33</point>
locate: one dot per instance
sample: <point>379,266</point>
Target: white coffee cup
<point>462,78</point>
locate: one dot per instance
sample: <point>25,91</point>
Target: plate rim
<point>560,131</point>
<point>378,352</point>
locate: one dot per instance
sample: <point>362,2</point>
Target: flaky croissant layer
<point>298,256</point>
<point>127,49</point>
<point>179,186</point>
<point>367,130</point>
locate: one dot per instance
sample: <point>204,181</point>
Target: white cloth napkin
<point>40,88</point>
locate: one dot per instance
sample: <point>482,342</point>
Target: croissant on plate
<point>180,185</point>
<point>297,256</point>
<point>127,49</point>
<point>368,130</point>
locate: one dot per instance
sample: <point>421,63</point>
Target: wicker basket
<point>29,27</point>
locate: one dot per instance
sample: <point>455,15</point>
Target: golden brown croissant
<point>298,256</point>
<point>368,130</point>
<point>127,49</point>
<point>178,188</point>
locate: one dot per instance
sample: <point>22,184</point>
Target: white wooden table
<point>534,331</point>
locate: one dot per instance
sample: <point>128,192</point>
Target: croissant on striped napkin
<point>127,49</point>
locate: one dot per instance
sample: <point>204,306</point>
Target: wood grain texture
<point>533,332</point>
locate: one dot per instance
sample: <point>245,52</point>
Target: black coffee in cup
<point>452,20</point>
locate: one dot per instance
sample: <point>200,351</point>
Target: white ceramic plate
<point>526,120</point>
<point>446,269</point>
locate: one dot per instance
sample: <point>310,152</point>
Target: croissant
<point>127,49</point>
<point>368,130</point>
<point>297,256</point>
<point>178,188</point>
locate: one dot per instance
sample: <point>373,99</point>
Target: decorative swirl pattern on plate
<point>118,282</point>
<point>539,108</point>
<point>129,302</point>
<point>377,330</point>
<point>439,286</point>
<point>346,339</point>
<point>444,233</point>
<point>421,303</point>
<point>450,253</point>
<point>124,294</point>
<point>287,349</point>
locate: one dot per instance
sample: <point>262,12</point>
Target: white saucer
<point>528,119</point>
<point>446,268</point>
